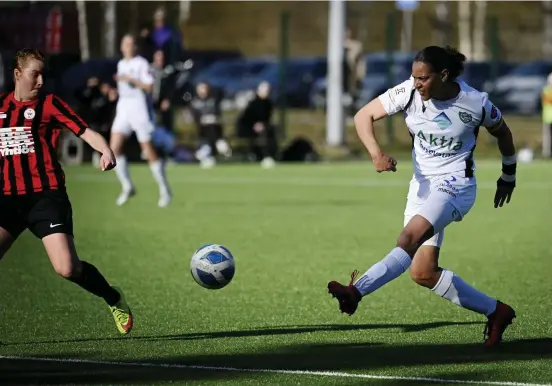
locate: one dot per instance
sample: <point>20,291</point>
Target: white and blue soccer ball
<point>212,266</point>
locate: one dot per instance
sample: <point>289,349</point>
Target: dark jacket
<point>258,110</point>
<point>206,111</point>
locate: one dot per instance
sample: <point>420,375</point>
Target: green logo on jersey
<point>442,142</point>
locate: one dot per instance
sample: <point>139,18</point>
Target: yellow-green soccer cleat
<point>122,314</point>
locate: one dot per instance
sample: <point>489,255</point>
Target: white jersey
<point>137,68</point>
<point>444,133</point>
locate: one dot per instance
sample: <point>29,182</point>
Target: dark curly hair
<point>442,58</point>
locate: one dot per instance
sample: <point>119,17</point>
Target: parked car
<point>225,72</point>
<point>300,74</point>
<point>477,73</point>
<point>76,76</point>
<point>191,64</point>
<point>375,81</point>
<point>519,91</point>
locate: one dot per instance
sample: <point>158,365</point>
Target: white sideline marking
<point>335,374</point>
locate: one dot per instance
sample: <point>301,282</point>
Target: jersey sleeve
<point>493,116</point>
<point>62,113</point>
<point>145,73</point>
<point>396,98</point>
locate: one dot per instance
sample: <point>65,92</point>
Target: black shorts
<point>43,213</point>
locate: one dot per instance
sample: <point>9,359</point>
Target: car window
<point>533,68</point>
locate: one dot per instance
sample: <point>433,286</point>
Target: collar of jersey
<point>12,99</point>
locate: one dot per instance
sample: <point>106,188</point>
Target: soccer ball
<point>212,266</point>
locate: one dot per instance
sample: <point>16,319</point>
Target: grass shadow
<point>357,358</point>
<point>262,331</point>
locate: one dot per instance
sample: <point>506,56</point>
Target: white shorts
<point>133,117</point>
<point>441,200</point>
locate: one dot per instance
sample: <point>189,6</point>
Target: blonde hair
<point>22,57</point>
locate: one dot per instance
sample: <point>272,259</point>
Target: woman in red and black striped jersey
<point>32,182</point>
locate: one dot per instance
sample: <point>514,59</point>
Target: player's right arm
<point>392,101</point>
<point>63,115</point>
<point>98,143</point>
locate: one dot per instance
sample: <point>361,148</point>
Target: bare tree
<point>547,25</point>
<point>464,28</point>
<point>442,22</point>
<point>83,31</point>
<point>110,28</point>
<point>479,46</point>
<point>184,10</point>
<point>406,30</point>
<point>134,16</point>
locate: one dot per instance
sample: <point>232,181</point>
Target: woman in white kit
<point>134,80</point>
<point>443,115</point>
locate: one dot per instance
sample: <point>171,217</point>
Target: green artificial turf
<point>291,230</point>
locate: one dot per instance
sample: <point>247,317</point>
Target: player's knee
<point>149,150</point>
<point>116,144</point>
<point>67,268</point>
<point>414,234</point>
<point>4,246</point>
<point>408,241</point>
<point>6,241</point>
<point>422,276</point>
<point>117,150</point>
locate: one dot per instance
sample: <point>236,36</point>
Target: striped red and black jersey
<point>29,133</point>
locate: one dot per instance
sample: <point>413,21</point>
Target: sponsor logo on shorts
<point>455,214</point>
<point>447,191</point>
<point>448,188</point>
<point>16,141</point>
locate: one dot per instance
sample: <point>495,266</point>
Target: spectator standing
<point>163,89</point>
<point>165,37</point>
<point>355,67</point>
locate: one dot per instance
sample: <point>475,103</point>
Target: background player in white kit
<point>443,115</point>
<point>134,80</point>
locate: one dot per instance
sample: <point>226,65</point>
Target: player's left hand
<point>108,162</point>
<point>504,190</point>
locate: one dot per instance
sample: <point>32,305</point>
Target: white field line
<point>332,374</point>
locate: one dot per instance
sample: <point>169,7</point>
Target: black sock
<point>92,281</point>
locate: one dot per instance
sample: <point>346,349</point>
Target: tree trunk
<point>406,30</point>
<point>110,28</point>
<point>547,25</point>
<point>83,31</point>
<point>442,11</point>
<point>184,11</point>
<point>464,28</point>
<point>480,16</point>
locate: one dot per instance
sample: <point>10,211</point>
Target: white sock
<point>391,267</point>
<point>453,288</point>
<point>158,170</point>
<point>121,170</point>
